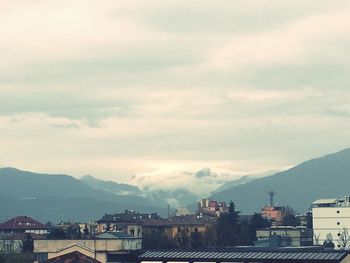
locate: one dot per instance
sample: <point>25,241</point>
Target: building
<point>187,224</point>
<point>13,231</point>
<point>72,257</point>
<point>21,225</point>
<point>182,231</point>
<point>211,207</point>
<point>284,236</point>
<point>128,222</point>
<point>102,248</point>
<point>153,226</point>
<point>273,213</point>
<point>331,221</point>
<point>247,255</point>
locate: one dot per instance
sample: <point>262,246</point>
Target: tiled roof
<point>72,258</point>
<point>22,222</point>
<point>147,222</point>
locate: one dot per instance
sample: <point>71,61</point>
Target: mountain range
<point>298,187</point>
<point>57,197</point>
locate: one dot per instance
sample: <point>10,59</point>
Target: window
<point>338,223</point>
<point>338,211</point>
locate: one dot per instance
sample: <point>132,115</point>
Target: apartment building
<point>331,221</point>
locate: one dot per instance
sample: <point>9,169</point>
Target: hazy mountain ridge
<point>298,187</point>
<point>111,186</point>
<point>61,197</point>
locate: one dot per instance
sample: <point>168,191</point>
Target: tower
<point>272,195</point>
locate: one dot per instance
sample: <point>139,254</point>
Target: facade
<point>100,248</point>
<point>152,226</point>
<point>128,222</point>
<point>284,236</point>
<point>72,257</point>
<point>211,207</point>
<point>331,221</point>
<point>186,225</point>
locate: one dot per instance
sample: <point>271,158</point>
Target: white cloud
<point>115,89</point>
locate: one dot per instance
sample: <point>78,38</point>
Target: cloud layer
<point>122,88</point>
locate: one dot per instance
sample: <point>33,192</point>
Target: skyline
<point>118,89</point>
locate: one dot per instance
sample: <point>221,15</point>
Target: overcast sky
<point>117,88</point>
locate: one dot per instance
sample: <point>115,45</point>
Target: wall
<point>93,248</point>
<point>330,220</point>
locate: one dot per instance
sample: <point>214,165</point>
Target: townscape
<point>215,226</point>
<point>174,131</point>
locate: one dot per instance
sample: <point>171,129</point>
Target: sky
<point>129,89</point>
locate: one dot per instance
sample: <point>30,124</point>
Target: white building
<point>331,220</point>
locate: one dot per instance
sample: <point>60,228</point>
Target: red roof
<point>22,222</point>
<point>72,257</point>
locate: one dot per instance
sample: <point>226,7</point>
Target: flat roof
<point>325,201</point>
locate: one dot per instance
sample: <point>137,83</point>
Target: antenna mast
<point>272,195</point>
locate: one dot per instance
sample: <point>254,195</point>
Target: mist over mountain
<point>111,186</point>
<point>173,187</point>
<point>180,188</point>
<point>298,187</point>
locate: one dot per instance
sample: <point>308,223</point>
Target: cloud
<point>123,88</point>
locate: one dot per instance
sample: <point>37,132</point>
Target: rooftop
<point>242,254</point>
<point>333,202</point>
<point>22,223</point>
<point>72,257</point>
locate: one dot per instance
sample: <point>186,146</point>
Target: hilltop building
<point>273,213</point>
<point>331,221</point>
<point>212,207</point>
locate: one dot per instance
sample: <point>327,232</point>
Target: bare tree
<point>317,239</point>
<point>344,239</point>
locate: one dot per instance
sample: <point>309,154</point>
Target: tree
<point>289,218</point>
<point>57,233</point>
<point>256,222</point>
<point>27,244</point>
<point>317,239</point>
<point>196,239</point>
<point>227,228</point>
<point>86,230</point>
<point>210,236</point>
<point>344,239</point>
<point>328,243</point>
<point>156,240</point>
